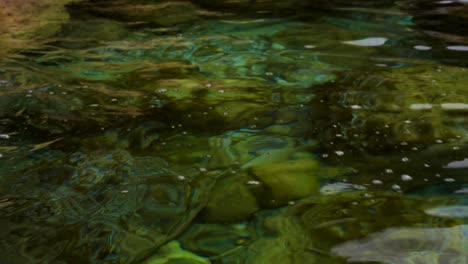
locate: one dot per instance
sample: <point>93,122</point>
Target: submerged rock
<point>172,253</point>
<point>231,200</point>
<point>288,180</point>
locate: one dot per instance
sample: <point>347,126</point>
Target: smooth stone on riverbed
<point>288,180</point>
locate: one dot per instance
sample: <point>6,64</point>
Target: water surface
<point>233,131</point>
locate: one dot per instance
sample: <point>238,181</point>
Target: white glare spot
<point>454,106</point>
<point>4,136</point>
<point>388,171</point>
<point>420,106</point>
<point>406,177</point>
<point>339,153</point>
<point>124,191</point>
<point>203,169</point>
<point>396,187</point>
<point>356,107</point>
<point>458,164</point>
<point>422,47</point>
<point>309,46</point>
<point>377,182</point>
<point>449,180</point>
<point>253,182</point>
<point>404,159</point>
<point>181,178</point>
<point>367,42</point>
<point>458,48</point>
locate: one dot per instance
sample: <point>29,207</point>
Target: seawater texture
<point>233,131</point>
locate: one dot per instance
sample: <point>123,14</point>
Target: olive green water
<point>234,131</point>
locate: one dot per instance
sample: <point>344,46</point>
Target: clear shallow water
<point>233,132</point>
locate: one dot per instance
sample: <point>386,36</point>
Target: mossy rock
<point>288,180</point>
<point>231,200</point>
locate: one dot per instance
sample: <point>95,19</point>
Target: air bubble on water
<point>427,165</point>
<point>309,46</point>
<point>449,179</point>
<point>439,141</point>
<point>406,177</point>
<point>404,159</point>
<point>396,187</point>
<point>388,171</point>
<point>407,121</point>
<point>339,135</point>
